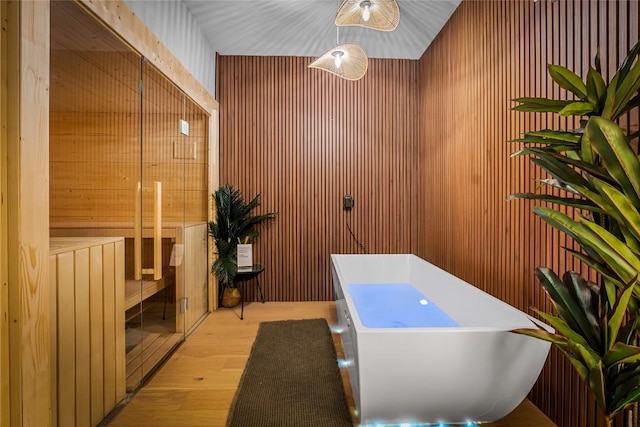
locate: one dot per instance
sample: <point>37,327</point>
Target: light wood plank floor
<point>196,385</point>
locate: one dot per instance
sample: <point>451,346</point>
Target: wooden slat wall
<point>303,139</point>
<point>489,53</point>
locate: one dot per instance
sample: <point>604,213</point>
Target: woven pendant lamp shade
<point>354,62</point>
<point>384,15</point>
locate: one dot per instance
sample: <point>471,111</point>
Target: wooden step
<point>142,359</point>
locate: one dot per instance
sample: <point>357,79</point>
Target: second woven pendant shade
<point>348,61</point>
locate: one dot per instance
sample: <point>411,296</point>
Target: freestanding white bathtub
<point>423,346</point>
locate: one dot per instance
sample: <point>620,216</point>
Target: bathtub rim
<point>534,323</point>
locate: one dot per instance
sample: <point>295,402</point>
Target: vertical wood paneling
<point>303,139</point>
<point>96,321</point>
<point>27,212</point>
<point>84,353</point>
<point>489,53</point>
<point>4,289</point>
<point>66,339</point>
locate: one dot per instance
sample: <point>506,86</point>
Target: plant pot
<point>230,297</point>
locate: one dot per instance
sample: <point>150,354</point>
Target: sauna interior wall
<point>489,53</point>
<point>302,139</point>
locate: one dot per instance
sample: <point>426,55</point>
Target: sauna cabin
<point>129,186</point>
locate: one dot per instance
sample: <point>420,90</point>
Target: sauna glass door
<point>173,211</point>
<point>128,162</point>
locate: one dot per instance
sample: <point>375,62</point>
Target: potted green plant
<point>235,223</point>
<point>594,178</point>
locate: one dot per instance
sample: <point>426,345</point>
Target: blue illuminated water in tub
<point>422,346</point>
<point>396,305</point>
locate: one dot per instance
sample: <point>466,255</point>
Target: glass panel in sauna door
<point>192,146</point>
<point>162,218</point>
<point>173,199</point>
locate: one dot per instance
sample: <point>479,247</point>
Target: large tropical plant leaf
<point>574,229</point>
<point>563,328</point>
<point>619,311</point>
<point>624,397</point>
<point>578,108</point>
<point>570,304</point>
<point>542,105</point>
<point>565,201</point>
<point>621,353</point>
<point>596,87</point>
<point>626,87</point>
<point>619,257</point>
<point>568,80</point>
<point>550,137</point>
<point>608,140</point>
<point>620,207</point>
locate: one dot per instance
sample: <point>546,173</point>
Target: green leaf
<point>549,137</point>
<point>628,83</point>
<point>554,135</point>
<point>560,171</point>
<point>586,151</point>
<point>610,100</point>
<point>597,384</point>
<point>559,162</point>
<point>580,368</point>
<point>620,207</point>
<point>565,201</point>
<point>586,295</point>
<point>560,185</point>
<point>596,87</point>
<point>624,398</point>
<point>619,159</point>
<point>564,329</point>
<point>628,62</point>
<point>543,335</point>
<point>613,101</point>
<point>597,266</point>
<point>568,308</point>
<point>619,311</point>
<point>540,105</point>
<point>621,353</point>
<point>577,231</point>
<point>568,80</point>
<point>578,108</point>
<point>627,89</point>
<point>620,258</point>
<point>633,103</point>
